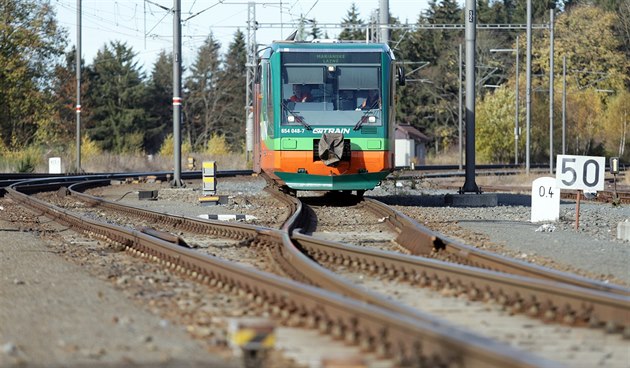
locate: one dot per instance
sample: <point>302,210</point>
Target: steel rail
<point>408,340</point>
<point>420,240</point>
<point>538,297</point>
<point>551,301</point>
<point>277,242</point>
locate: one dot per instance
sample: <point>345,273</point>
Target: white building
<point>410,146</point>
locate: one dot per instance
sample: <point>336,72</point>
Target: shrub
<point>26,161</point>
<point>167,147</point>
<point>217,145</point>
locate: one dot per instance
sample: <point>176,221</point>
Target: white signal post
<point>580,173</point>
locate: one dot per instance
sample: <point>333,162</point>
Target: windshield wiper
<point>362,120</point>
<point>298,118</point>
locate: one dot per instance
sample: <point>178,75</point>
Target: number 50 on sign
<point>580,172</point>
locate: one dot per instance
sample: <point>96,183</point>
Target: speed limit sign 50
<point>580,172</point>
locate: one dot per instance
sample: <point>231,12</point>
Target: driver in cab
<point>301,93</point>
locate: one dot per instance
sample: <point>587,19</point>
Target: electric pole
<point>177,99</point>
<point>78,71</point>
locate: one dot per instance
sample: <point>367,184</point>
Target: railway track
<point>535,283</point>
<point>405,337</point>
<point>519,297</point>
<point>542,300</point>
<point>421,241</point>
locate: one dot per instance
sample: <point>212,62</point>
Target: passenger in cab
<point>372,101</point>
<point>301,93</point>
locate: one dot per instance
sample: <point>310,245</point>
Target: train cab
<point>325,114</point>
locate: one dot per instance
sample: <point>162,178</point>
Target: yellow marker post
<point>208,172</point>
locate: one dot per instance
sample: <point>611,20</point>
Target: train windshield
<point>331,89</point>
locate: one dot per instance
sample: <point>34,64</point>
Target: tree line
<point>592,35</point>
<point>124,110</point>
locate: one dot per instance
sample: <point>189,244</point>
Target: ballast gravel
<point>592,250</point>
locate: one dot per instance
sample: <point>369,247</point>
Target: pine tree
<point>117,97</point>
<point>353,25</point>
<point>159,106</point>
<point>232,82</point>
<point>203,109</point>
<point>316,32</point>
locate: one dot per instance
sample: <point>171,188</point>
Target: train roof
<point>328,45</point>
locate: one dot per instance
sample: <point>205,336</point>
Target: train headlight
<point>291,119</point>
<point>372,119</point>
<point>331,68</point>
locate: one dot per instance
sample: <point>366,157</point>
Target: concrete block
<point>148,194</point>
<point>471,200</point>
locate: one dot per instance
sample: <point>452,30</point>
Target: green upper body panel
<point>340,79</point>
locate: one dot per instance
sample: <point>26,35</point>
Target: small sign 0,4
<point>545,200</point>
<point>580,172</point>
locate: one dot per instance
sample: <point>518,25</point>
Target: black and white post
<point>471,34</point>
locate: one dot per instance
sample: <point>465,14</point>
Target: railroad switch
<point>171,238</point>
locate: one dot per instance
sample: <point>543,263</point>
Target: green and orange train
<point>324,115</point>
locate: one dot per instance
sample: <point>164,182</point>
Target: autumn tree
<point>63,127</point>
<point>31,46</point>
<point>495,127</point>
<point>589,39</point>
<point>597,66</point>
<point>616,124</point>
<point>584,111</point>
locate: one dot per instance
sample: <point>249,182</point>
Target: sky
<point>148,28</point>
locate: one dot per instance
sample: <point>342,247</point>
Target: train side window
<point>269,93</point>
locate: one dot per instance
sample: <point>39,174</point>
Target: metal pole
<point>471,24</point>
<point>564,103</point>
<point>551,67</point>
<point>177,99</point>
<point>384,20</point>
<point>528,88</point>
<point>517,128</point>
<point>78,71</point>
<point>459,111</point>
<point>250,77</point>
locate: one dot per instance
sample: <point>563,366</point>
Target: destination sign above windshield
<point>331,57</point>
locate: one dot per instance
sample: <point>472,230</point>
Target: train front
<point>327,115</point>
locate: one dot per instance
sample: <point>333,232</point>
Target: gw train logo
<point>331,130</point>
